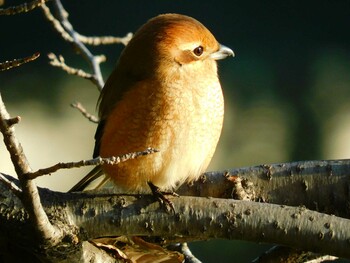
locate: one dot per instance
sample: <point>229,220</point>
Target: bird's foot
<point>162,199</point>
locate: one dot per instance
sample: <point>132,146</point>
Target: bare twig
<point>96,161</point>
<point>12,186</point>
<point>22,8</point>
<point>18,157</point>
<point>56,24</point>
<point>60,62</point>
<point>105,40</point>
<point>13,121</point>
<point>185,250</point>
<point>17,62</point>
<point>65,28</point>
<point>325,258</point>
<point>30,197</point>
<point>77,105</point>
<point>288,254</point>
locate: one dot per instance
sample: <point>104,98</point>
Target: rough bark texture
<point>82,216</point>
<point>318,185</point>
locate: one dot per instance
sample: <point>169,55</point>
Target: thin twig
<point>77,105</point>
<point>96,161</point>
<point>22,8</point>
<point>13,121</point>
<point>185,250</point>
<point>65,28</point>
<point>105,40</point>
<point>60,62</point>
<point>11,185</point>
<point>17,62</point>
<point>320,259</point>
<point>56,24</point>
<point>287,254</point>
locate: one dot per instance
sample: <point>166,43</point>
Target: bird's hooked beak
<point>222,53</point>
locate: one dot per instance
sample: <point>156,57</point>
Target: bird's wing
<point>95,179</point>
<point>98,135</point>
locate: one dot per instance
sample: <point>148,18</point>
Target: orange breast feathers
<point>164,93</point>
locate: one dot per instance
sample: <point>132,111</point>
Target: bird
<point>163,93</point>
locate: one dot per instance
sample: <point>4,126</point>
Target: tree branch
<point>185,250</point>
<point>18,157</point>
<point>77,105</point>
<point>62,25</point>
<point>17,62</point>
<point>321,185</point>
<point>22,8</point>
<point>97,214</point>
<point>203,218</point>
<point>65,28</point>
<point>30,196</point>
<point>286,254</point>
<point>96,161</point>
<point>105,40</point>
<point>11,185</point>
<point>60,63</point>
<point>56,24</point>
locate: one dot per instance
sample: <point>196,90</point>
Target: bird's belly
<point>185,132</point>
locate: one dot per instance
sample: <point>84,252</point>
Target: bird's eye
<point>198,51</point>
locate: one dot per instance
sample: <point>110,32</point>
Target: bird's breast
<point>182,119</point>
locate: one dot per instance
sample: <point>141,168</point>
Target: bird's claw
<point>164,202</point>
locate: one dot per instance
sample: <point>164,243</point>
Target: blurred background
<point>286,91</point>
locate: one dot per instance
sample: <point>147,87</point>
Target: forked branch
<point>30,196</point>
<point>62,25</point>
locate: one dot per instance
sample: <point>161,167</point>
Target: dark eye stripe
<point>198,51</point>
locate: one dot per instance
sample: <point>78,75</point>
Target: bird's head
<point>167,48</point>
<point>171,41</point>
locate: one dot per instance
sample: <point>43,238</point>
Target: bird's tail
<point>95,179</point>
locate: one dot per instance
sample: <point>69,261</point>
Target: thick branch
<point>203,218</point>
<point>30,195</point>
<point>320,185</point>
<point>99,214</point>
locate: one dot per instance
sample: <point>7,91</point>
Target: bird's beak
<point>222,53</point>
